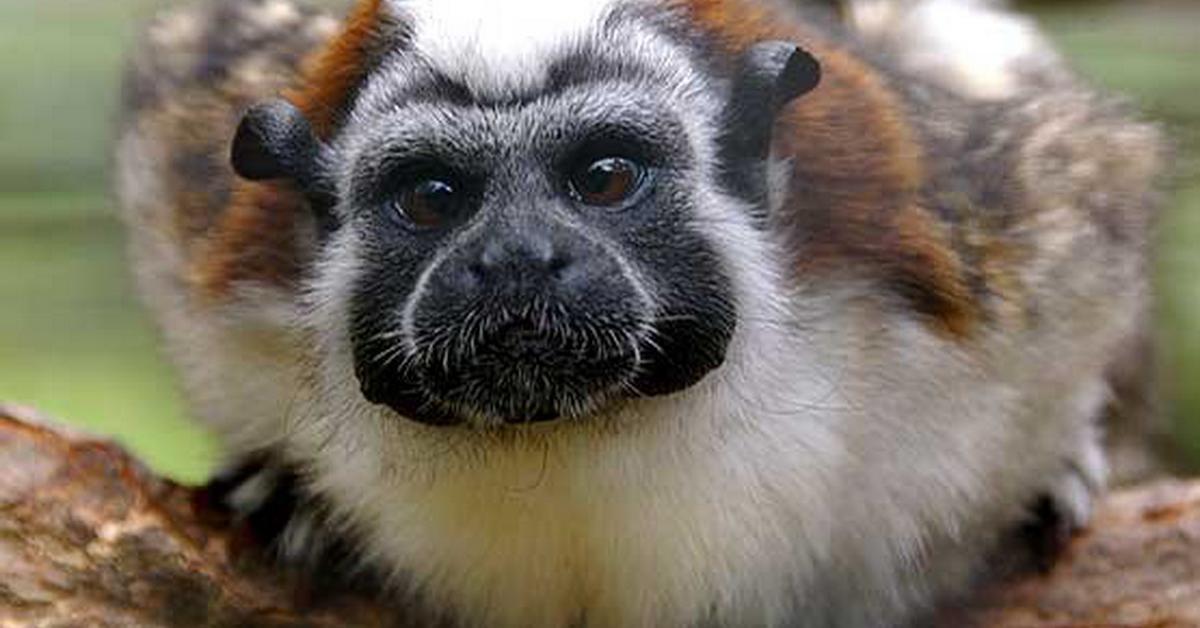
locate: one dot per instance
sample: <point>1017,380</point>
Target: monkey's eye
<point>430,202</point>
<point>608,182</point>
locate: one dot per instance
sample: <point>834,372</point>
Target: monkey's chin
<point>500,394</point>
<point>416,406</point>
<point>485,412</point>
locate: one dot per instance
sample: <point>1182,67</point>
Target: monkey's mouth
<point>508,369</point>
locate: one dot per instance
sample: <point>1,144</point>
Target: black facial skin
<point>530,313</point>
<point>534,259</point>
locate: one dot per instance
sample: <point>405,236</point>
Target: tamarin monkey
<point>639,312</point>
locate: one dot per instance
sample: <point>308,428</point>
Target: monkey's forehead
<point>501,47</point>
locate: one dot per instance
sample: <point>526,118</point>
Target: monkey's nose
<point>527,256</point>
<point>524,260</point>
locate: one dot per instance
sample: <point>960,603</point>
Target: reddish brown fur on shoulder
<point>257,239</point>
<point>332,75</point>
<point>259,235</point>
<point>857,171</point>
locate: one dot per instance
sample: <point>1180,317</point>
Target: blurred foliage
<point>74,342</point>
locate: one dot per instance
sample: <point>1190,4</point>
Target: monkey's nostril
<point>558,264</point>
<point>477,271</point>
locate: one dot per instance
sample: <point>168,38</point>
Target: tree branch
<point>90,537</point>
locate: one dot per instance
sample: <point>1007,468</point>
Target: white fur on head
<point>496,48</point>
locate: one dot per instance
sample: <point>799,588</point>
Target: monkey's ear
<point>775,73</point>
<point>771,75</point>
<point>275,141</point>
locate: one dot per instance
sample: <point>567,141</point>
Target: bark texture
<point>90,537</point>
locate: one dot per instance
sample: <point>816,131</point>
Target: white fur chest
<point>652,525</point>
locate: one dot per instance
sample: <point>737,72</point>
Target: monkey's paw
<point>1066,506</point>
<point>273,514</point>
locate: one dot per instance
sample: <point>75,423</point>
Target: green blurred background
<point>74,342</point>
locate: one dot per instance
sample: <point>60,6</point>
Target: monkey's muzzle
<point>521,325</point>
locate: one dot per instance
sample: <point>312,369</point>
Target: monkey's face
<point>531,260</point>
<point>536,245</point>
